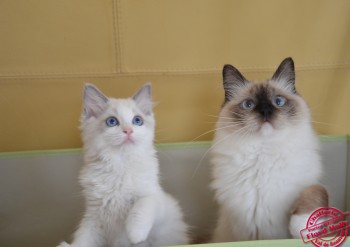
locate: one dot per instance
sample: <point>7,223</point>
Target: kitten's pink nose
<point>128,131</point>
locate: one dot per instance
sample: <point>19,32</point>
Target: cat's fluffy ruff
<point>125,205</point>
<point>259,173</point>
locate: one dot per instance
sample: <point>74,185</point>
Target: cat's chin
<point>128,141</point>
<point>266,129</point>
<point>123,143</point>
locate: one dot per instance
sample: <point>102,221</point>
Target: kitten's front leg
<point>64,244</point>
<point>140,219</point>
<point>87,235</point>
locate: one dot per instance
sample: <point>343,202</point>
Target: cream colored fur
<point>259,169</point>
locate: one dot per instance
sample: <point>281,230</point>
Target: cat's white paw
<point>64,244</point>
<point>137,233</point>
<point>297,223</point>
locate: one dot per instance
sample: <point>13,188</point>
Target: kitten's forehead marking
<point>123,108</point>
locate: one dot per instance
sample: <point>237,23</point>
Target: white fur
<point>297,223</point>
<point>125,205</point>
<point>258,177</point>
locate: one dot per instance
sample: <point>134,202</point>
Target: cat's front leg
<point>87,235</point>
<point>64,244</point>
<point>140,219</point>
<point>311,198</point>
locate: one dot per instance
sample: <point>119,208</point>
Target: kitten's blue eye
<point>280,101</point>
<point>137,120</point>
<point>248,104</point>
<point>112,121</point>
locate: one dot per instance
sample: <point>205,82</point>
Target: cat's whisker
<point>220,117</point>
<point>244,132</point>
<point>214,116</point>
<point>210,131</point>
<point>316,122</point>
<point>234,133</point>
<point>237,114</point>
<point>205,133</point>
<point>224,120</point>
<point>320,123</point>
<point>313,121</point>
<point>206,152</point>
<point>235,122</point>
<point>328,124</point>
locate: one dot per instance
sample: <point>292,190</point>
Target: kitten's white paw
<point>64,244</point>
<point>137,233</point>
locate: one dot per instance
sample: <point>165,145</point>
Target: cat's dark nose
<point>266,112</point>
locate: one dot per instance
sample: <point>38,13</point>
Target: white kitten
<point>125,205</point>
<point>264,154</point>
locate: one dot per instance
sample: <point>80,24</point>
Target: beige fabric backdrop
<point>49,49</point>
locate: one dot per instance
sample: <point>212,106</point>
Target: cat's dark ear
<point>285,75</point>
<point>143,99</point>
<point>94,101</point>
<point>233,80</point>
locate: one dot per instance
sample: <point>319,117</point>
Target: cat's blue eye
<point>248,104</point>
<point>137,120</point>
<point>279,101</point>
<point>112,121</point>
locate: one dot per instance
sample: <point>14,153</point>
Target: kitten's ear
<point>94,101</point>
<point>285,75</point>
<point>143,99</point>
<point>233,81</point>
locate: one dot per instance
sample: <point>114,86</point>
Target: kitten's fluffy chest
<point>115,183</point>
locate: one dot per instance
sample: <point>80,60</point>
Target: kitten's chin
<point>122,143</point>
<point>128,141</point>
<point>266,129</point>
